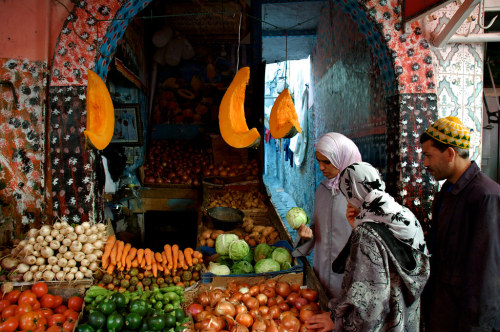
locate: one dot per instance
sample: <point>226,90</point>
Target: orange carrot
<point>182,264</point>
<point>107,248</point>
<point>164,262</point>
<point>140,255</point>
<point>135,262</point>
<point>175,256</point>
<point>154,265</point>
<point>168,253</point>
<point>130,257</point>
<point>114,251</point>
<point>126,249</point>
<point>119,252</point>
<point>158,257</point>
<point>147,254</point>
<point>110,269</point>
<point>197,254</point>
<point>187,256</point>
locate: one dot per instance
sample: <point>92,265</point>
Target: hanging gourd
<point>100,112</point>
<point>283,121</point>
<point>232,122</point>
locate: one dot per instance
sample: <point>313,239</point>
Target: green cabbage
<point>218,269</point>
<point>242,267</point>
<point>267,265</point>
<point>238,250</point>
<point>262,251</point>
<point>222,243</point>
<point>249,257</point>
<point>281,255</point>
<point>285,266</point>
<point>296,216</point>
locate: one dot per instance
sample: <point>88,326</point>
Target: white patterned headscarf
<point>341,152</point>
<point>363,187</point>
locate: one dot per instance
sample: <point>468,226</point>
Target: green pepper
<point>171,296</point>
<point>133,321</point>
<point>139,307</point>
<point>107,307</point>
<point>158,305</point>
<point>159,297</point>
<point>97,319</point>
<point>156,322</point>
<point>115,322</point>
<point>168,307</point>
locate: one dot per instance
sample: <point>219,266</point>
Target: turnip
<point>9,263</point>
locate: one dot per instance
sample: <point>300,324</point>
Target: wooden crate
<point>224,152</point>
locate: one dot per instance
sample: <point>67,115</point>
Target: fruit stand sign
<point>414,8</point>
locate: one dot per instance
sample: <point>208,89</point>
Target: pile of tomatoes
<point>37,310</point>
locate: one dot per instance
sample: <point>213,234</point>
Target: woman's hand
<point>321,322</point>
<point>351,213</point>
<point>305,232</point>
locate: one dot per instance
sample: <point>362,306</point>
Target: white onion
<point>82,238</point>
<point>62,262</point>
<point>91,257</point>
<point>49,238</point>
<point>48,275</point>
<point>56,268</point>
<point>79,275</point>
<point>102,227</point>
<point>47,252</point>
<point>98,253</point>
<point>75,246</point>
<point>66,269</point>
<point>66,242</point>
<point>22,268</point>
<point>40,261</point>
<point>23,243</point>
<point>60,276</point>
<point>29,248</point>
<point>45,230</point>
<point>34,268</point>
<point>83,269</point>
<point>38,275</point>
<point>40,239</point>
<point>88,274</point>
<point>94,229</point>
<point>98,244</point>
<point>71,263</point>
<point>69,255</point>
<point>79,229</point>
<point>84,262</point>
<point>59,255</point>
<point>44,243</point>
<point>63,249</point>
<point>70,276</point>
<point>28,276</point>
<point>72,236</point>
<point>92,238</point>
<point>54,244</point>
<point>85,225</point>
<point>30,260</point>
<point>32,240</point>
<point>74,269</point>
<point>79,256</point>
<point>64,224</point>
<point>60,237</point>
<point>54,233</point>
<point>36,253</point>
<point>52,260</point>
<point>42,267</point>
<point>93,266</point>
<point>57,225</point>
<point>88,248</point>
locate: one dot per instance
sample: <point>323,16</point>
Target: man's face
<point>438,163</point>
<point>326,167</point>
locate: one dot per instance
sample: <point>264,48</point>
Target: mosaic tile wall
<point>22,135</point>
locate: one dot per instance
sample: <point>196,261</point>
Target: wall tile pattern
<point>22,135</point>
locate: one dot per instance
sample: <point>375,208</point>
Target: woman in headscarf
<point>385,262</point>
<point>329,229</point>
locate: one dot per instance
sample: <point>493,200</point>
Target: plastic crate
<point>298,267</point>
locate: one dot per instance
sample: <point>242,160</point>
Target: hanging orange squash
<point>283,121</point>
<point>232,122</point>
<point>100,112</point>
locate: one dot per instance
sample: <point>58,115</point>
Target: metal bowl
<point>225,218</point>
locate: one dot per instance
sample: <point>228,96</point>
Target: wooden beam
<point>455,22</point>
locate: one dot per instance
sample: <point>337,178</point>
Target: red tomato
<point>60,309</point>
<point>4,304</point>
<point>13,296</point>
<point>40,288</point>
<point>9,311</point>
<point>10,325</point>
<point>47,301</point>
<point>27,297</point>
<point>27,321</point>
<point>58,300</point>
<point>68,326</point>
<point>56,319</point>
<point>36,305</point>
<point>23,308</point>
<point>75,303</point>
<point>45,312</point>
<point>71,315</point>
<point>54,328</point>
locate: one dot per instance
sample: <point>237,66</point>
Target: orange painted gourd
<point>100,112</point>
<point>232,123</point>
<point>283,121</point>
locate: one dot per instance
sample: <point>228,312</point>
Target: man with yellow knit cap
<point>463,291</point>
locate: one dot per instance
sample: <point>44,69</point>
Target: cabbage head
<point>249,257</point>
<point>218,269</point>
<point>285,266</point>
<point>281,255</point>
<point>238,250</point>
<point>222,243</point>
<point>296,216</point>
<point>262,251</point>
<point>267,265</point>
<point>242,267</point>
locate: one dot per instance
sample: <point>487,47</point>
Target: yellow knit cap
<point>450,130</point>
